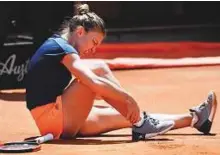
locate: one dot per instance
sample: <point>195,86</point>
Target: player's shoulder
<point>63,44</point>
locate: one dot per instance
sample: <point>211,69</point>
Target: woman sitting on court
<point>61,88</point>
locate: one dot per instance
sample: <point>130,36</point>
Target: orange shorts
<point>49,118</point>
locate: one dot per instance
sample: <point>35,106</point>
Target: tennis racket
<point>30,145</point>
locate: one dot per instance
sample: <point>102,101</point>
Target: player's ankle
<point>141,120</point>
<point>194,119</point>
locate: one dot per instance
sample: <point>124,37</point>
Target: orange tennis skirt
<point>49,118</point>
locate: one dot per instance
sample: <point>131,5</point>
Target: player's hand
<point>133,111</point>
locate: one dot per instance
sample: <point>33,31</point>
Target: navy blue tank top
<point>47,77</point>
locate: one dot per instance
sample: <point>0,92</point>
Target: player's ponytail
<point>84,17</point>
<point>81,9</point>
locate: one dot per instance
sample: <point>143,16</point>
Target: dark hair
<point>83,17</point>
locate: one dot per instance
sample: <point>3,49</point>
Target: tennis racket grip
<point>44,138</point>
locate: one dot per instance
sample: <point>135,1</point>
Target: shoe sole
<point>147,136</point>
<point>137,136</point>
<point>214,107</point>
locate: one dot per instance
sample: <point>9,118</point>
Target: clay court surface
<point>169,90</point>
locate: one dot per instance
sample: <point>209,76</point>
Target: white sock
<point>141,121</point>
<point>194,119</point>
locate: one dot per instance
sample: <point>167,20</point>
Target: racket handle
<point>44,138</point>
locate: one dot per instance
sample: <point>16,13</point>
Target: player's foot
<point>150,128</point>
<point>203,114</point>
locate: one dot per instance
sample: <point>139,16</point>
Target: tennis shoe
<point>203,114</point>
<point>151,127</point>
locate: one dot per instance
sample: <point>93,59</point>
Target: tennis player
<point>61,88</point>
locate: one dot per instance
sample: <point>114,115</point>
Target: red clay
<point>170,90</point>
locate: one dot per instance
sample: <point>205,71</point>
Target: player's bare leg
<point>101,120</point>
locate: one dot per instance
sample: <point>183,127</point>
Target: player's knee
<point>77,84</point>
